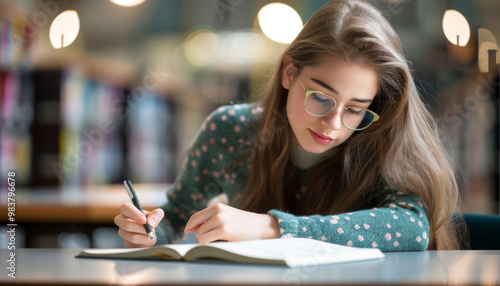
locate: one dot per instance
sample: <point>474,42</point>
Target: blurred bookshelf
<point>94,132</point>
<point>16,94</point>
<point>91,131</point>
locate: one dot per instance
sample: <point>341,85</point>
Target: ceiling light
<point>64,29</point>
<point>456,28</point>
<point>279,22</point>
<point>128,3</point>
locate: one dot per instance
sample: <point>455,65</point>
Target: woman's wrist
<point>273,228</point>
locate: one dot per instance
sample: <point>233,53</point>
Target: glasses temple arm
<point>301,82</point>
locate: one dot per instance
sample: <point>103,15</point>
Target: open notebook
<point>292,252</point>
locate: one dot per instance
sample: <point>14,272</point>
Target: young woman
<point>341,148</point>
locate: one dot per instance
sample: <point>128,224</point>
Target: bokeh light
<point>128,3</point>
<point>456,28</point>
<point>280,22</point>
<point>64,29</point>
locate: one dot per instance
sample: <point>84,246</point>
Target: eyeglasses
<point>353,117</point>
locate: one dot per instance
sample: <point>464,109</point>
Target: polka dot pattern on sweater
<point>380,227</point>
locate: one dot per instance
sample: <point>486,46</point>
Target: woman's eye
<point>355,111</point>
<point>320,97</point>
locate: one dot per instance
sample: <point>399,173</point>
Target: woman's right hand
<point>131,223</point>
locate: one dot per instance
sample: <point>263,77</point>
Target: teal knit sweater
<point>397,222</point>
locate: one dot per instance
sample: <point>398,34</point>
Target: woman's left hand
<point>222,222</point>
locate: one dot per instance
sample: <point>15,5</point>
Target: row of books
<point>90,134</point>
<point>16,107</point>
<point>106,136</point>
<point>13,42</point>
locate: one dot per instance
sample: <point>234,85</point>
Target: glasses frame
<point>310,91</point>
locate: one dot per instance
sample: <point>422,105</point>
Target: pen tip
<point>151,235</point>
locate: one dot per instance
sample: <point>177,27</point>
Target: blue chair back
<point>484,231</point>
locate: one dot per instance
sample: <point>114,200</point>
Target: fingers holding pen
<point>154,217</point>
<point>129,220</point>
<point>128,210</point>
<point>131,223</point>
<point>132,220</point>
<point>133,239</point>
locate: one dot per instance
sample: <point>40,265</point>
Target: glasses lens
<point>357,118</point>
<point>319,104</point>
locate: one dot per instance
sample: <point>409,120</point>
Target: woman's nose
<point>333,119</point>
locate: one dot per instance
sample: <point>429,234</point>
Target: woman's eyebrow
<point>325,85</point>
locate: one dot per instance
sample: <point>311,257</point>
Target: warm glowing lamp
<point>456,28</point>
<point>64,29</point>
<point>279,22</point>
<point>128,3</point>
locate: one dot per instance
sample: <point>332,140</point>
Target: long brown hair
<point>402,150</point>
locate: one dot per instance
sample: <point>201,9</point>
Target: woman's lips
<point>321,139</point>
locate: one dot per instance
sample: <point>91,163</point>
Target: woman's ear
<point>289,71</point>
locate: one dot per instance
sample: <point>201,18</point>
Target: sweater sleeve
<point>398,223</point>
<point>203,174</point>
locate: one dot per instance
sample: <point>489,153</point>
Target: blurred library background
<point>95,92</point>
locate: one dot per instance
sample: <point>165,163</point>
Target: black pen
<point>137,204</point>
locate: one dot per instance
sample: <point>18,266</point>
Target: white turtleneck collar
<point>305,160</point>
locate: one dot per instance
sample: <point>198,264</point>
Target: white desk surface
<point>60,267</point>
